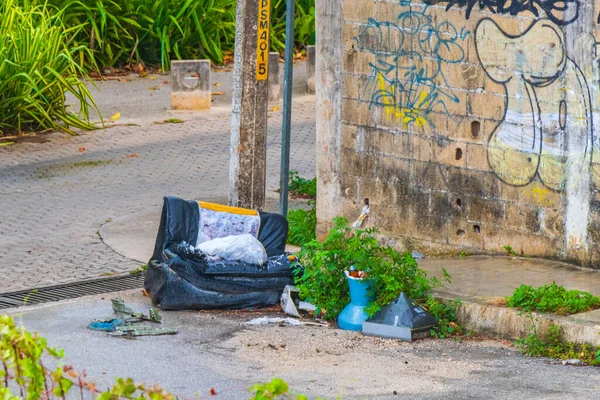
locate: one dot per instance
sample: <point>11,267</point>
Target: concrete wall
<point>467,129</point>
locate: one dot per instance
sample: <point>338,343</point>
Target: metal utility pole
<point>248,150</point>
<point>287,107</point>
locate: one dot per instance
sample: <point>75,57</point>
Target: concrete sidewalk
<point>60,190</point>
<point>482,282</point>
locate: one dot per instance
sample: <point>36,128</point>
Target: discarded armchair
<point>179,277</point>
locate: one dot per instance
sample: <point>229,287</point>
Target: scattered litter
<point>417,256</point>
<point>124,326</point>
<point>274,320</point>
<point>363,215</point>
<point>119,307</point>
<point>115,117</point>
<point>279,320</point>
<point>218,93</point>
<point>291,303</point>
<point>573,361</point>
<point>105,325</point>
<point>142,330</point>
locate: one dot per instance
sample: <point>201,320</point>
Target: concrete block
<point>311,60</point>
<point>275,86</point>
<point>191,85</point>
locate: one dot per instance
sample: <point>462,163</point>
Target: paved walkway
<point>56,195</point>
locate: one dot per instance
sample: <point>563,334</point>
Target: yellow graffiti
<point>540,196</point>
<point>403,114</point>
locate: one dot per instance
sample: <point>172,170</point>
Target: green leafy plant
<point>322,280</point>
<point>553,346</point>
<point>301,187</point>
<point>510,250</point>
<point>39,66</point>
<point>121,32</point>
<point>552,298</point>
<point>277,388</point>
<point>446,315</point>
<point>302,225</point>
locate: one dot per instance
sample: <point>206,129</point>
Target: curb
<point>511,323</point>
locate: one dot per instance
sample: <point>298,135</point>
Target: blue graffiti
<point>407,78</point>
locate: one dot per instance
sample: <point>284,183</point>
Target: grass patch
<point>552,298</point>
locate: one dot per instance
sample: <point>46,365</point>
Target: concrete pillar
<point>248,150</point>
<point>580,47</point>
<point>310,68</point>
<point>274,78</point>
<point>328,76</point>
<point>190,87</point>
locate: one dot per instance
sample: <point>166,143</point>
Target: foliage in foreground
<point>553,346</point>
<point>39,66</point>
<point>552,298</point>
<point>120,32</point>
<point>23,355</point>
<point>322,281</point>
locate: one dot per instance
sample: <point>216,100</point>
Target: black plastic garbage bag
<point>181,278</point>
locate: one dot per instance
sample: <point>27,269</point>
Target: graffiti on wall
<point>407,79</point>
<point>560,12</point>
<point>548,121</point>
<point>547,95</point>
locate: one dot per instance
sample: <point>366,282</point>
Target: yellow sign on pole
<point>262,46</point>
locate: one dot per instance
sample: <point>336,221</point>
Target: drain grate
<point>71,290</point>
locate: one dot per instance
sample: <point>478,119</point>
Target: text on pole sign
<point>262,45</point>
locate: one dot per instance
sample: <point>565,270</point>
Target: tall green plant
<point>38,67</point>
<point>322,280</point>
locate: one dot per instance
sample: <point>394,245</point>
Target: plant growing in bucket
<point>325,279</point>
<point>361,295</point>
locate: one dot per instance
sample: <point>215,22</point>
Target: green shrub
<point>552,298</point>
<point>323,282</point>
<point>302,225</point>
<point>301,187</point>
<point>120,32</point>
<point>38,68</point>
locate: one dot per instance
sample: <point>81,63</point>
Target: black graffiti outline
<point>584,86</point>
<point>515,7</point>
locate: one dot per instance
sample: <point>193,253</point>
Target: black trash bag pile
<point>179,277</point>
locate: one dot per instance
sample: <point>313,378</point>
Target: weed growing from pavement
<point>301,187</point>
<point>510,250</point>
<point>552,298</point>
<point>551,345</point>
<point>446,316</point>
